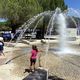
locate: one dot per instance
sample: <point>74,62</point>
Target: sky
<point>2,20</point>
<point>73,3</point>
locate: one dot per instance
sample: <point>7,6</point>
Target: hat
<point>1,38</point>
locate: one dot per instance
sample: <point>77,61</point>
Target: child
<point>33,57</point>
<point>1,47</point>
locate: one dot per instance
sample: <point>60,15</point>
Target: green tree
<point>18,11</point>
<point>52,4</point>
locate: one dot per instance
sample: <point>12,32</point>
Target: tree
<point>18,11</point>
<point>4,27</point>
<point>52,4</point>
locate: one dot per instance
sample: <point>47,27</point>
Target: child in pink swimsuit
<point>33,57</point>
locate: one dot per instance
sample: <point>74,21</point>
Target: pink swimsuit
<point>34,54</point>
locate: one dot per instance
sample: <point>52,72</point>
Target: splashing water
<point>62,29</point>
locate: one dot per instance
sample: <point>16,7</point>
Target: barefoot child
<point>33,57</point>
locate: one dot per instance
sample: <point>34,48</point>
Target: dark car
<point>6,36</point>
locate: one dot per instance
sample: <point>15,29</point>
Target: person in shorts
<point>33,57</point>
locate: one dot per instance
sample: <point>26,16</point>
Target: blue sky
<point>73,4</point>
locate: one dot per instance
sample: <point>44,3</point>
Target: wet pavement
<point>65,67</point>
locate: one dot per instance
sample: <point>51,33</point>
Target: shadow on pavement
<point>40,74</point>
<point>27,70</point>
<point>54,78</point>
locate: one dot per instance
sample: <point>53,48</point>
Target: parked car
<point>6,36</point>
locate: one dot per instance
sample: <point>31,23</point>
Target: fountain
<point>62,29</point>
<point>61,21</point>
<point>63,45</point>
<point>57,17</point>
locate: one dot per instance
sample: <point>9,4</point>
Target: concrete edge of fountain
<point>48,41</point>
<point>39,74</point>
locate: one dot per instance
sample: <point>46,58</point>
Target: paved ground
<point>16,60</point>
